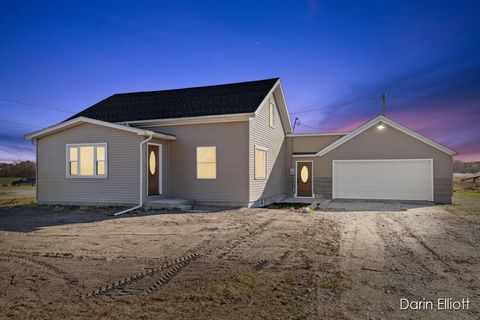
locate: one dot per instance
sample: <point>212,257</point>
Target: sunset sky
<point>335,58</point>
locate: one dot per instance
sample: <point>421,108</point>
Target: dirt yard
<point>349,260</point>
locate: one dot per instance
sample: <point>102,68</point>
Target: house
<point>228,145</point>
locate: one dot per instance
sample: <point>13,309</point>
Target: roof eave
<point>76,121</point>
<point>189,120</point>
<point>316,134</point>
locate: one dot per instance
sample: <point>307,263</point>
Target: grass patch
<point>258,295</point>
<point>16,202</point>
<point>251,295</point>
<point>7,181</point>
<point>467,195</point>
<point>466,201</point>
<point>335,287</point>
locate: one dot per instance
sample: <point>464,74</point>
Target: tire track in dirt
<point>127,284</point>
<point>155,279</point>
<point>19,259</point>
<point>170,274</point>
<point>243,240</point>
<point>266,264</point>
<point>28,271</point>
<point>58,255</point>
<point>418,244</point>
<point>417,270</point>
<point>361,269</point>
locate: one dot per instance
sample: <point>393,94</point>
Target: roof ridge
<point>198,87</point>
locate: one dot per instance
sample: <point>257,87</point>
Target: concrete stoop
<point>169,204</point>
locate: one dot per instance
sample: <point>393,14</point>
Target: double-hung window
<point>87,160</point>
<point>260,162</point>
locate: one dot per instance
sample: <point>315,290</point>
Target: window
<point>87,160</point>
<point>272,113</point>
<point>73,167</point>
<point>304,174</point>
<point>260,162</point>
<point>152,163</point>
<point>206,162</point>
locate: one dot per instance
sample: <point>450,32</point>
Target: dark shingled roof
<point>242,97</point>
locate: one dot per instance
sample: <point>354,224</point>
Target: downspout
<point>141,176</point>
<point>35,143</point>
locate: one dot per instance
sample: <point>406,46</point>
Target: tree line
<point>466,167</point>
<point>19,169</point>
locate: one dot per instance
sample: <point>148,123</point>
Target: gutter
<point>187,120</point>
<point>150,136</point>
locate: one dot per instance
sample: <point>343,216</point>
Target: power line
<point>378,103</point>
<point>426,89</point>
<point>21,124</point>
<point>336,106</point>
<point>439,98</point>
<point>310,127</point>
<point>35,105</point>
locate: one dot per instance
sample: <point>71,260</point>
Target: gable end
<point>391,123</point>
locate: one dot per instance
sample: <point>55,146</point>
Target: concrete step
<point>169,204</point>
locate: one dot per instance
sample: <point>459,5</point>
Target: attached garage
<point>380,160</point>
<point>403,179</point>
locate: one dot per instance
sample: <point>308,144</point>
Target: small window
<point>260,163</point>
<point>304,174</point>
<point>152,163</point>
<point>272,113</point>
<point>86,160</point>
<point>206,162</point>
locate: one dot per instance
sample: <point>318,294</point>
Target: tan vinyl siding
<point>388,143</point>
<point>231,141</point>
<point>263,135</point>
<point>310,143</point>
<point>120,187</point>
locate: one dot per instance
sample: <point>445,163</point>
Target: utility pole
<point>297,121</point>
<point>384,103</point>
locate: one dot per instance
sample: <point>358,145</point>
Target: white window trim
<point>95,176</point>
<point>255,162</point>
<point>160,166</point>
<point>271,115</point>
<point>196,162</point>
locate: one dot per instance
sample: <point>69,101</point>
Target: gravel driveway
<point>390,251</point>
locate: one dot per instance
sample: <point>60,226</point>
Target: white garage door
<point>410,179</point>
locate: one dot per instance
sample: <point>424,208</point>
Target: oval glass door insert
<point>304,174</point>
<point>152,163</point>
